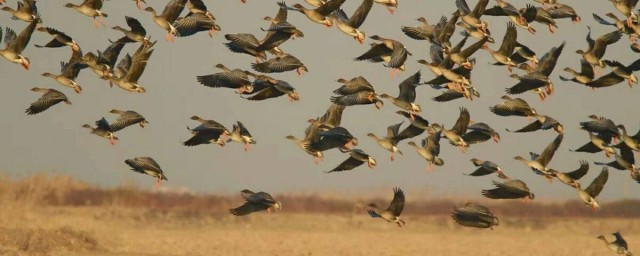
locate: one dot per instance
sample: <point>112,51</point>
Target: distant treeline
<point>46,190</point>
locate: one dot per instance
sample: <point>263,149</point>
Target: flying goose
<point>586,74</point>
<point>539,77</point>
<point>543,122</point>
<point>407,94</point>
<point>277,34</point>
<point>462,57</point>
<point>626,7</point>
<point>460,128</point>
<point>103,130</point>
<point>332,117</point>
<point>430,149</point>
<point>69,72</point>
<point>26,11</point>
<point>320,14</point>
<point>389,51</point>
<point>148,166</point>
<point>337,137</point>
<point>281,63</point>
<point>513,107</point>
<point>425,31</point>
<point>356,158</point>
<point>475,216</point>
<point>273,90</point>
<point>49,98</point>
<point>209,131</point>
<point>311,135</point>
<point>571,178</point>
<point>194,23</point>
<point>633,141</point>
<point>601,125</point>
<point>60,39</point>
<point>126,119</point>
<point>617,23</point>
<point>623,161</point>
<point>392,213</point>
<point>597,143</point>
<point>256,202</point>
<point>168,16</point>
<point>618,74</point>
<point>506,48</point>
<point>593,55</point>
<point>480,132</point>
<point>279,31</point>
<point>539,162</point>
<point>358,98</point>
<point>235,79</point>
<point>136,34</point>
<point>563,11</point>
<point>509,189</point>
<point>589,194</point>
<point>539,15</point>
<point>104,63</point>
<point>90,8</point>
<point>14,45</point>
<point>472,17</point>
<point>474,32</point>
<point>245,43</point>
<point>129,80</point>
<point>515,16</point>
<point>389,142</point>
<point>485,168</point>
<point>350,26</point>
<point>241,134</point>
<point>619,246</point>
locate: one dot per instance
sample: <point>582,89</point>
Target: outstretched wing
<point>397,204</point>
<point>598,184</point>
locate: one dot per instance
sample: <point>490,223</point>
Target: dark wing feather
<point>408,87</point>
<point>409,132</point>
<point>374,53</point>
<point>360,14</point>
<point>135,25</point>
<point>547,154</point>
<point>463,122</point>
<point>267,93</point>
<point>448,96</point>
<point>532,127</point>
<point>580,172</point>
<point>173,9</point>
<point>598,184</point>
<point>589,147</point>
<point>605,81</point>
<point>248,208</point>
<point>48,99</point>
<point>19,43</point>
<point>397,204</point>
<point>329,7</point>
<point>348,164</point>
<point>474,137</point>
<point>548,61</point>
<point>203,136</point>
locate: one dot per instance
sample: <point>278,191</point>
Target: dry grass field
<point>42,215</point>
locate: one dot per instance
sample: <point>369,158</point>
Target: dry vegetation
<point>56,215</point>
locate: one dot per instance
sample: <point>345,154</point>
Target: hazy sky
<point>55,142</point>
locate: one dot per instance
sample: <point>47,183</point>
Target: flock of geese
<point>451,63</point>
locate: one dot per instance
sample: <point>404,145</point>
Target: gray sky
<point>55,142</point>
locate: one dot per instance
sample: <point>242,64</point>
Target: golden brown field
<point>43,215</point>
